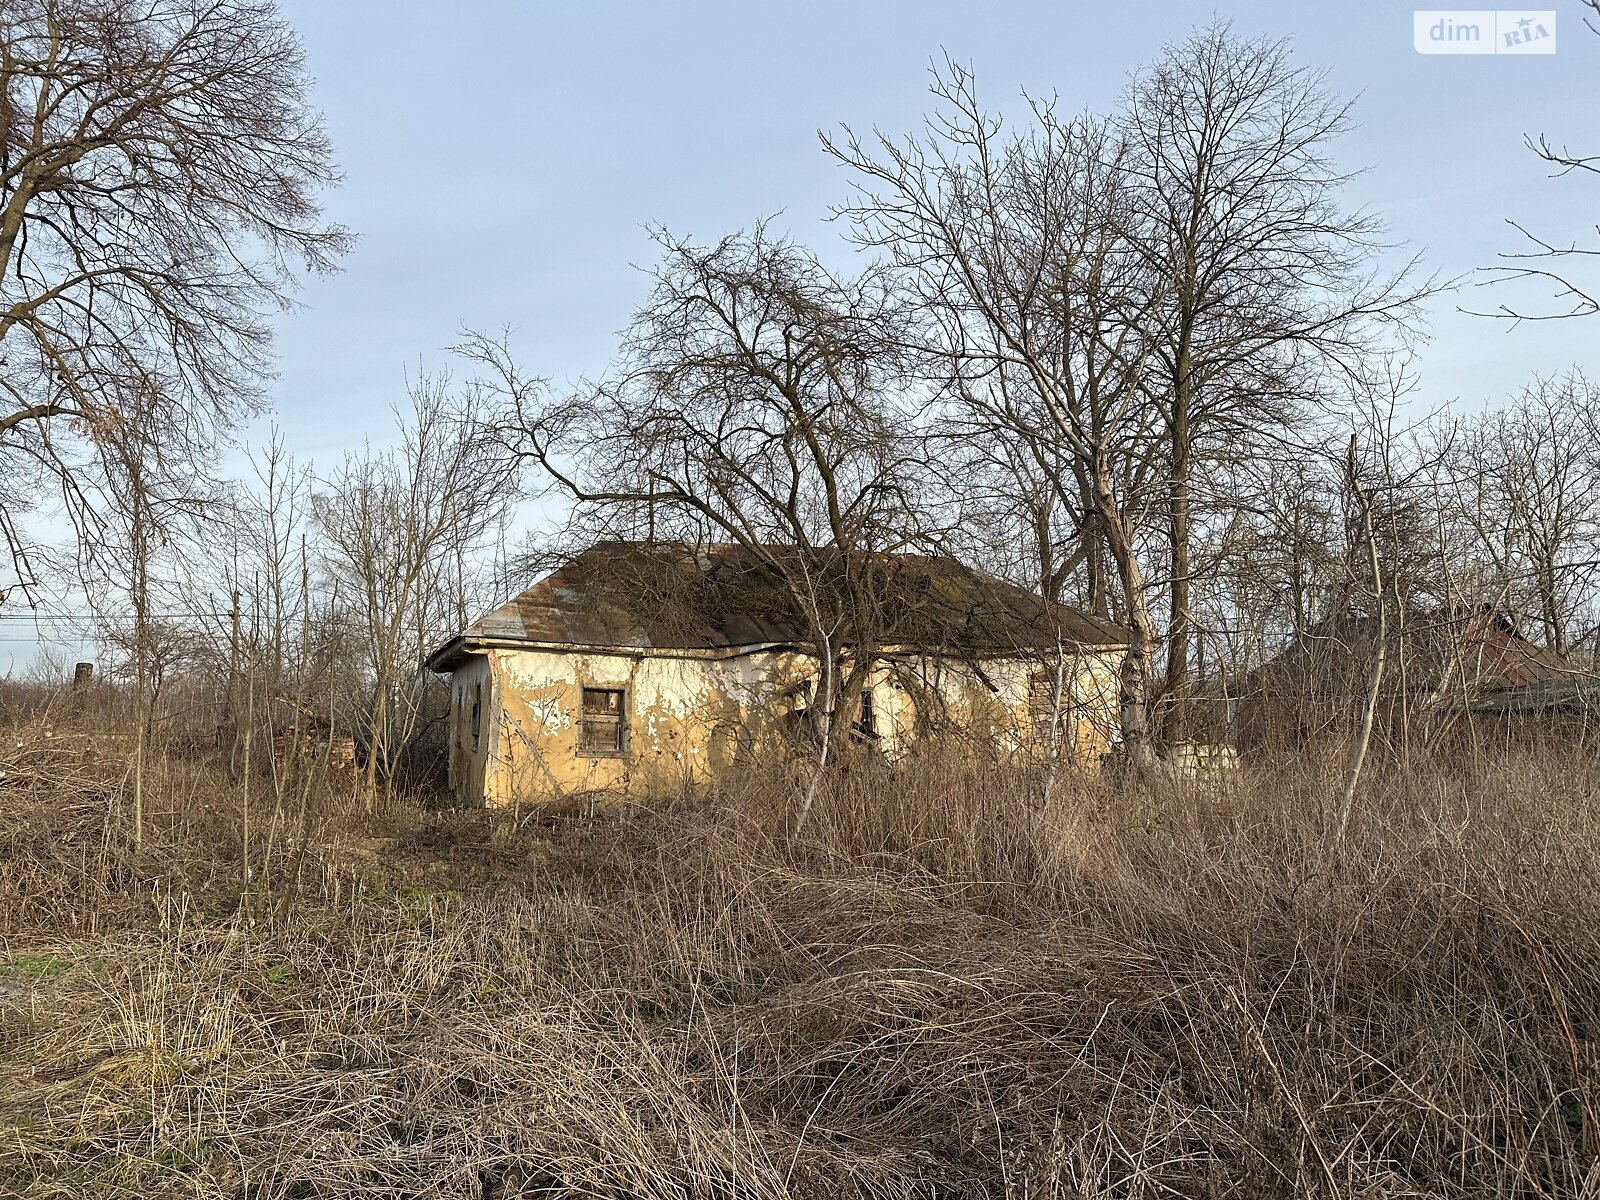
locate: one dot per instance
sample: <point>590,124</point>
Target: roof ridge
<point>619,593</point>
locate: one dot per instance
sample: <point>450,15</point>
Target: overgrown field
<point>935,990</point>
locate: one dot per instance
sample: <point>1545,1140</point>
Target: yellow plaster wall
<point>690,716</point>
<point>469,756</point>
<point>687,717</point>
<point>988,703</point>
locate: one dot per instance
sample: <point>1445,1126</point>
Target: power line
<point>89,618</point>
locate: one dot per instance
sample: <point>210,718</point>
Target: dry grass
<point>936,992</point>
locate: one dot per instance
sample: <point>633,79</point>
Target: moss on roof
<point>635,595</point>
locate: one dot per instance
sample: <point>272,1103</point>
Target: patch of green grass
<point>419,897</point>
<point>225,905</point>
<point>420,904</point>
<point>184,1154</point>
<point>279,975</point>
<point>36,968</point>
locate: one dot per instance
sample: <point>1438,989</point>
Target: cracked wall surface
<point>690,715</point>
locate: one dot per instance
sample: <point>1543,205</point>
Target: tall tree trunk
<point>1094,561</point>
<point>1097,595</point>
<point>235,642</point>
<point>838,705</point>
<point>1134,678</point>
<point>1297,592</point>
<point>1555,627</point>
<point>1179,637</point>
<point>377,740</point>
<point>846,714</point>
<point>139,536</point>
<point>1049,577</point>
<point>1134,675</point>
<point>1369,710</point>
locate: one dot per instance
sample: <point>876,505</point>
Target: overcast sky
<point>503,160</point>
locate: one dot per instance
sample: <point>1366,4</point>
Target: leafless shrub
<point>936,987</point>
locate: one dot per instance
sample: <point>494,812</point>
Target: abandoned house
<point>1444,668</point>
<point>638,663</point>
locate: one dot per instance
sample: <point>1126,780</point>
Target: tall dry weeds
<point>940,990</point>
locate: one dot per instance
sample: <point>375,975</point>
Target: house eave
<point>449,655</point>
<point>452,652</point>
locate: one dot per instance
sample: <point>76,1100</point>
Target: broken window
<point>867,723</point>
<point>602,728</point>
<point>477,714</point>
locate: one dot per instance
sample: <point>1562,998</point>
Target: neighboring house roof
<point>1578,692</point>
<point>1460,657</point>
<point>635,595</point>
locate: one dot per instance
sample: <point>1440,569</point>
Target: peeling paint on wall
<point>688,715</point>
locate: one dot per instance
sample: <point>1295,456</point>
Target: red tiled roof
<point>1470,652</point>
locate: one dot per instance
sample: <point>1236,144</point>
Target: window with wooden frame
<point>603,721</point>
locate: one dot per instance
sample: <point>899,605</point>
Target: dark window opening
<point>795,712</point>
<point>477,714</point>
<point>867,722</point>
<point>603,727</point>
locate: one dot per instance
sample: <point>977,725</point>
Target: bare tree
<point>159,179</point>
<point>760,405</point>
<point>151,506</point>
<point>394,525</point>
<point>1525,480</point>
<point>257,611</point>
<point>1035,305</point>
<point>1011,514</point>
<point>1556,262</point>
<point>1267,280</point>
<point>1278,554</point>
<point>1377,658</point>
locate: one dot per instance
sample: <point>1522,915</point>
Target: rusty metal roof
<point>634,595</point>
<point>1472,651</point>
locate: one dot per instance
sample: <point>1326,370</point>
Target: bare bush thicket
<point>397,530</point>
<point>935,988</point>
<point>233,966</point>
<point>762,404</point>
